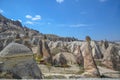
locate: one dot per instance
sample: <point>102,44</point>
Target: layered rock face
<point>39,49</point>
<point>78,56</point>
<point>96,50</point>
<point>112,58</point>
<point>90,67</point>
<point>1,45</point>
<point>65,58</point>
<point>72,47</point>
<point>44,51</point>
<point>18,59</point>
<point>59,60</point>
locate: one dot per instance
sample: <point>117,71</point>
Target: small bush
<point>37,58</point>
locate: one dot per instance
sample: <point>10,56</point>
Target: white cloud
<point>78,25</point>
<point>37,17</point>
<point>102,0</point>
<point>59,1</point>
<point>1,11</point>
<point>29,22</point>
<point>75,25</point>
<point>28,16</point>
<point>19,20</point>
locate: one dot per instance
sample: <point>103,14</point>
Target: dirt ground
<point>73,71</point>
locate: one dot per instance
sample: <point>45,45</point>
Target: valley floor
<point>72,72</point>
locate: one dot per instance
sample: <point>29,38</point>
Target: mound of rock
<point>64,58</point>
<point>18,59</point>
<point>112,58</point>
<point>44,51</point>
<point>78,56</point>
<point>96,50</point>
<point>90,67</point>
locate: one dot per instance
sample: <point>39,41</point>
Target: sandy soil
<point>73,70</point>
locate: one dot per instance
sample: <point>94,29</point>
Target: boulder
<point>18,59</point>
<point>90,67</point>
<point>64,58</point>
<point>39,49</point>
<point>60,60</point>
<point>78,56</point>
<point>112,58</point>
<point>44,51</point>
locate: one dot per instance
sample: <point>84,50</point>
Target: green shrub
<point>37,58</point>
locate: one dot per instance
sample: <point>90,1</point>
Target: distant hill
<point>10,28</point>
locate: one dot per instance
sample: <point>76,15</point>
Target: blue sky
<point>100,19</point>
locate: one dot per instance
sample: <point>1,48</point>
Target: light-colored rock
<point>78,55</point>
<point>7,41</point>
<point>59,60</point>
<point>18,59</point>
<point>44,52</point>
<point>69,57</point>
<point>112,58</point>
<point>90,67</point>
<point>96,50</point>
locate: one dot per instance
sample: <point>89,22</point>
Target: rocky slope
<point>52,50</point>
<point>10,28</point>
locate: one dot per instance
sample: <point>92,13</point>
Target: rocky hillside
<point>91,58</point>
<point>10,28</point>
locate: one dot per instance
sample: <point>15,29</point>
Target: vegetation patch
<point>37,58</point>
<point>55,77</point>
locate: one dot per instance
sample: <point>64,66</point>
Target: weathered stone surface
<point>64,58</point>
<point>96,50</point>
<point>78,55</point>
<point>59,60</point>
<point>112,58</point>
<point>27,43</point>
<point>39,49</point>
<point>15,49</point>
<point>90,67</point>
<point>18,59</point>
<point>44,51</point>
<point>7,41</point>
<point>1,45</point>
